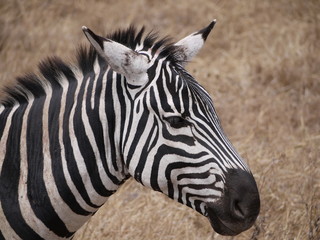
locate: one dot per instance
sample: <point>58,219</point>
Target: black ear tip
<point>206,31</point>
<point>87,31</point>
<point>92,37</point>
<point>211,25</point>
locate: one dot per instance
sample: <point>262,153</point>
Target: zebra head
<point>171,139</point>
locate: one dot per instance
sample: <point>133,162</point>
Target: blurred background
<point>260,64</point>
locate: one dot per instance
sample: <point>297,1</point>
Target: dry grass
<point>262,66</point>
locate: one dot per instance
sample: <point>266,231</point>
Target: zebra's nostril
<point>238,209</point>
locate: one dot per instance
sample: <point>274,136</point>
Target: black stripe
<point>201,129</point>
<point>180,138</point>
<point>111,124</point>
<point>163,95</point>
<point>171,85</point>
<point>140,129</point>
<point>185,100</point>
<point>37,192</point>
<point>3,120</point>
<point>177,165</point>
<point>153,102</point>
<point>123,106</point>
<point>96,124</point>
<point>169,150</point>
<point>109,106</point>
<point>1,236</point>
<point>55,152</point>
<point>94,117</point>
<point>146,150</point>
<point>93,112</point>
<point>9,179</point>
<point>202,175</point>
<point>85,147</point>
<point>128,130</point>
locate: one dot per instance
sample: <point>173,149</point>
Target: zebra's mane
<point>33,85</point>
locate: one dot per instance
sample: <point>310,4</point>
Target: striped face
<point>172,140</point>
<point>176,144</point>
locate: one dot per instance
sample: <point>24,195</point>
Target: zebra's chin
<point>218,225</point>
<point>229,227</point>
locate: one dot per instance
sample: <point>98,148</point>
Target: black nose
<point>239,206</point>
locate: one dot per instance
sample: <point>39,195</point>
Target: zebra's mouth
<point>219,226</point>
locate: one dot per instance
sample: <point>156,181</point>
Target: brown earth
<point>261,64</point>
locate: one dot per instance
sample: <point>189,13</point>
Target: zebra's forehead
<point>182,91</point>
<point>199,94</point>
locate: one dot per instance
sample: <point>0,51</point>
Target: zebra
<point>71,134</point>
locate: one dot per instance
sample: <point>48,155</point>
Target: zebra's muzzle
<point>239,206</point>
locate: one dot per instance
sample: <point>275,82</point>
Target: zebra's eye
<point>177,122</point>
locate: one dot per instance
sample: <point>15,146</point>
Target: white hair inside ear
<point>121,59</point>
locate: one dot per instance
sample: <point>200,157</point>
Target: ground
<point>261,64</point>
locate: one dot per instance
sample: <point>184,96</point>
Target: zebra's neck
<point>91,127</point>
<point>66,143</point>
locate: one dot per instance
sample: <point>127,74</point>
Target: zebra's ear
<point>191,45</point>
<point>121,59</point>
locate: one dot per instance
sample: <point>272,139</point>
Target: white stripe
<point>153,137</point>
<point>5,227</point>
<point>167,93</point>
<point>202,194</point>
<point>103,117</point>
<point>2,108</point>
<point>4,137</point>
<point>96,69</point>
<point>182,103</point>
